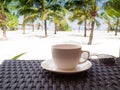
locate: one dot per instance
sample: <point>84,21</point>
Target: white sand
<point>37,47</point>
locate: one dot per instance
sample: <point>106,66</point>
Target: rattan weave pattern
<point>29,75</point>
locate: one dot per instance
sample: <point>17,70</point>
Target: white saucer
<point>50,66</point>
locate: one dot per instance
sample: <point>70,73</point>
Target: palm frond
<point>46,14</point>
<point>30,17</point>
<point>17,56</point>
<point>97,23</point>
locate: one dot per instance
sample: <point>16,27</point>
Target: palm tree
<point>43,11</point>
<point>57,14</point>
<point>80,11</point>
<point>86,13</point>
<point>26,8</point>
<point>12,17</point>
<point>31,16</point>
<point>107,19</point>
<point>77,15</point>
<point>93,13</point>
<point>76,12</point>
<point>79,24</point>
<point>4,8</point>
<point>89,9</point>
<point>12,21</point>
<point>113,9</point>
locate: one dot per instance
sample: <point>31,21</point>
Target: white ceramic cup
<point>67,56</point>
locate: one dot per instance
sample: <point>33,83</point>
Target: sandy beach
<point>37,47</point>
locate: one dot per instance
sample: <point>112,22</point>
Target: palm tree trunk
<point>91,33</point>
<point>3,19</point>
<point>56,29</point>
<point>23,29</point>
<point>45,23</point>
<point>85,29</point>
<point>32,26</point>
<point>79,27</point>
<point>109,26</point>
<point>24,25</point>
<point>116,30</point>
<point>4,31</point>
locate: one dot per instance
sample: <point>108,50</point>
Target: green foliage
<point>12,21</point>
<point>105,16</point>
<point>17,56</point>
<point>112,8</point>
<point>97,23</point>
<point>76,14</point>
<point>63,26</point>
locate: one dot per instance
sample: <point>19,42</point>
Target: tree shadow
<point>77,35</point>
<point>37,36</point>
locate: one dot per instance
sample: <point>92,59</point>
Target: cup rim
<point>65,46</point>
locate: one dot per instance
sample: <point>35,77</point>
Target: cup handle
<point>84,60</point>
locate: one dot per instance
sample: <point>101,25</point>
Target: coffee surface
<point>66,46</point>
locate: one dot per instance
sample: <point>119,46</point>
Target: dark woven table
<point>29,75</point>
